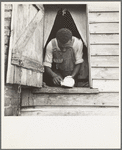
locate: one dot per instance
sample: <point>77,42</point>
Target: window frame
<point>83,90</point>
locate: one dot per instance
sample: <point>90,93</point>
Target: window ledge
<point>79,90</point>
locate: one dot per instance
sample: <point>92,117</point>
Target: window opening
<point>64,20</point>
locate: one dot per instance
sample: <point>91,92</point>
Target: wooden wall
<point>104,51</point>
<point>103,22</point>
<point>26,44</point>
<point>104,45</point>
<point>10,91</point>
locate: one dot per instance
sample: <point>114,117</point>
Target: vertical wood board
<point>10,70</point>
<point>33,49</point>
<point>88,46</point>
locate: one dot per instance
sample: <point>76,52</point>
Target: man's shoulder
<point>51,41</point>
<point>76,39</point>
<point>77,42</point>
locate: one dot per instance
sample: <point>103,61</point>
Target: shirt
<point>77,47</point>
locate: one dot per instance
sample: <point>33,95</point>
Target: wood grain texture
<point>88,46</point>
<point>70,111</point>
<point>27,97</point>
<point>104,39</point>
<point>103,17</point>
<point>105,61</point>
<point>103,6</point>
<point>27,32</point>
<point>29,79</point>
<point>17,74</point>
<point>27,63</point>
<point>104,49</point>
<point>104,28</point>
<point>32,48</point>
<point>34,79</point>
<point>105,73</point>
<point>23,76</point>
<point>39,78</point>
<point>107,85</point>
<point>65,90</point>
<point>101,99</point>
<point>10,70</point>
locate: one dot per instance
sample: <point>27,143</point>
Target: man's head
<point>64,35</point>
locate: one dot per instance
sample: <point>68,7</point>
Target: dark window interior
<point>64,20</point>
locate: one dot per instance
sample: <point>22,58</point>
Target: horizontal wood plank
<point>101,99</point>
<point>104,6</point>
<point>106,85</point>
<point>105,61</point>
<point>105,73</point>
<point>104,38</point>
<point>104,49</point>
<point>103,17</point>
<point>70,111</point>
<point>65,90</point>
<point>27,63</point>
<point>104,28</point>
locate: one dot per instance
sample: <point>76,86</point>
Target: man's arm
<point>56,78</point>
<point>76,70</point>
<point>78,47</point>
<point>48,64</point>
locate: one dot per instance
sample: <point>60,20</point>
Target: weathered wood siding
<point>69,99</point>
<point>69,111</point>
<point>104,45</point>
<point>104,51</point>
<point>10,91</point>
<point>26,44</point>
<point>103,26</point>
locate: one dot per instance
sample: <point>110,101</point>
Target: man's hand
<point>57,80</point>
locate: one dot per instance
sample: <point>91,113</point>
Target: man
<point>66,52</point>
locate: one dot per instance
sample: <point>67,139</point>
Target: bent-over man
<point>66,52</point>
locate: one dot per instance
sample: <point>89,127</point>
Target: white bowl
<point>68,82</point>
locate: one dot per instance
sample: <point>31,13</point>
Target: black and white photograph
<point>61,59</point>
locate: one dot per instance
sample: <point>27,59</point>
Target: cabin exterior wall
<point>104,47</point>
<point>10,91</point>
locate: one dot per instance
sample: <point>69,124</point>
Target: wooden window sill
<point>56,90</point>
